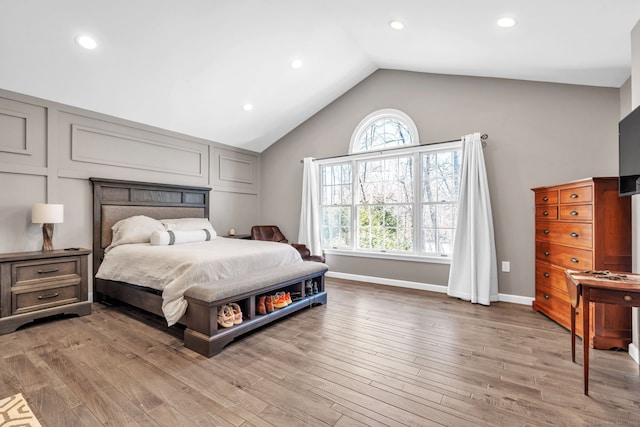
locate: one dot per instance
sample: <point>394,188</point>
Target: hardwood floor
<point>373,356</point>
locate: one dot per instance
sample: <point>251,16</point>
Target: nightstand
<point>39,284</point>
<point>239,236</point>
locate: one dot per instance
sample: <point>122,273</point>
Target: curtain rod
<point>483,137</point>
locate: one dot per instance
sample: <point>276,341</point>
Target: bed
<point>117,200</point>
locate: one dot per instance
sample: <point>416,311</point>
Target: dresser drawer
<point>564,256</point>
<point>29,272</point>
<point>546,212</point>
<point>576,212</point>
<point>546,197</point>
<point>551,275</point>
<point>575,234</point>
<point>576,195</point>
<point>34,298</point>
<point>551,302</point>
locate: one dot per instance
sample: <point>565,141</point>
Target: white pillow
<point>188,224</point>
<point>171,237</point>
<point>135,229</point>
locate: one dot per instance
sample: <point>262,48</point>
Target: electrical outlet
<point>506,266</point>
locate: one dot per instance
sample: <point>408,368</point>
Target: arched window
<point>384,129</point>
<point>392,197</point>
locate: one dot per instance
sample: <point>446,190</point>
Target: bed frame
<point>114,200</point>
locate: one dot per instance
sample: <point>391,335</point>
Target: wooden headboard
<point>114,200</point>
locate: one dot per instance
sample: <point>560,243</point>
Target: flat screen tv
<point>629,154</point>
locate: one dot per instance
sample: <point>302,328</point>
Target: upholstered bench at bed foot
<point>203,334</point>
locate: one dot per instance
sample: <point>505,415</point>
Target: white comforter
<point>173,269</point>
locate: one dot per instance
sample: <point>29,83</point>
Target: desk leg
<point>585,337</point>
<point>573,333</point>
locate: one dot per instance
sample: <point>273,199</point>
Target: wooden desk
<point>622,289</point>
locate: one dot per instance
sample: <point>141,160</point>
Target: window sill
<point>392,256</point>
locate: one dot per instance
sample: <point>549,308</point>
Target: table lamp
<point>47,214</point>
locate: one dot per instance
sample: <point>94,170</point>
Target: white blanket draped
<point>173,269</point>
<point>473,275</point>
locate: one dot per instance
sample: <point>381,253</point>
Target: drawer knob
<point>545,199</point>
<point>546,296</point>
<point>545,213</point>
<point>547,253</point>
<point>574,234</point>
<point>575,260</point>
<point>574,196</point>
<point>573,213</point>
<point>627,298</point>
<point>53,270</point>
<point>546,274</point>
<point>48,296</point>
<point>546,231</point>
<point>577,311</point>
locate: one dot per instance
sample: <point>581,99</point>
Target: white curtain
<point>310,221</point>
<point>473,275</point>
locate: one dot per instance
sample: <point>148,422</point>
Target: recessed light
<point>396,25</point>
<point>247,107</point>
<point>506,22</point>
<point>296,63</point>
<point>86,42</point>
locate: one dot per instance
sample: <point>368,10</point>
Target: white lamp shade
<point>47,213</point>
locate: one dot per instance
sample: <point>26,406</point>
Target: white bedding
<point>173,269</point>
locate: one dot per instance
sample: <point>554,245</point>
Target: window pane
<point>386,181</point>
<point>429,241</point>
<point>440,190</point>
<point>441,176</point>
<point>445,241</point>
<point>384,133</point>
<point>446,214</point>
<point>336,224</point>
<point>388,228</point>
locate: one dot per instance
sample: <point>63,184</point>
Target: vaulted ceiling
<point>191,65</point>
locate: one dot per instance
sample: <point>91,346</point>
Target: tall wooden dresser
<point>582,225</point>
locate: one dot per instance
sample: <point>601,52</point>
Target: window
<point>392,196</point>
<point>384,129</point>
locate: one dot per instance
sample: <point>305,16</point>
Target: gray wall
<point>539,134</point>
<point>49,150</point>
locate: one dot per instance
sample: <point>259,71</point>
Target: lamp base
<point>47,237</point>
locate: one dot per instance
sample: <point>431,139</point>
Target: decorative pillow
<point>135,229</point>
<point>177,237</point>
<point>188,224</point>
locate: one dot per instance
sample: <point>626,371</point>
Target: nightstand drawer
<point>37,298</point>
<point>26,273</point>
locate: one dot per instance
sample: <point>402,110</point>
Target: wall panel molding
<point>22,169</point>
<point>235,170</point>
<point>15,132</point>
<point>93,145</point>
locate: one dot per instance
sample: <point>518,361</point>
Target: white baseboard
<point>389,282</point>
<point>516,299</point>
<point>634,353</point>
